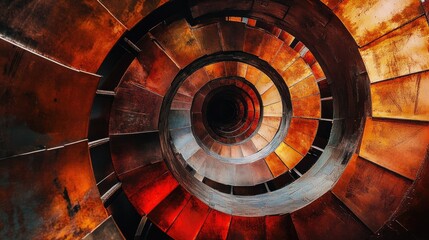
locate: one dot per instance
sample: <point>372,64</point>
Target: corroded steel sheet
<point>307,107</point>
<point>43,104</point>
<point>184,49</point>
<point>401,52</point>
<point>130,12</point>
<point>306,87</point>
<point>406,97</point>
<point>78,34</point>
<point>368,20</point>
<point>232,36</point>
<point>301,134</point>
<point>216,226</point>
<point>208,37</point>
<point>215,70</point>
<point>190,220</point>
<point>396,145</point>
<point>284,58</point>
<point>371,192</point>
<point>252,40</point>
<point>327,218</point>
<point>296,72</point>
<point>317,71</point>
<point>270,46</point>
<point>49,195</point>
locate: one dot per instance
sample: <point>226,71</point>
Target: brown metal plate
<point>307,107</point>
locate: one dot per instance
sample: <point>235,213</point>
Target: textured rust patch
<point>307,107</point>
<point>298,71</point>
<point>301,134</point>
<point>288,155</point>
<point>216,226</point>
<point>275,164</point>
<point>304,88</point>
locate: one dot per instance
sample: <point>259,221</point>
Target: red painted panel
<point>134,180</point>
<point>216,226</point>
<point>251,228</point>
<point>168,210</point>
<point>280,227</point>
<point>190,220</point>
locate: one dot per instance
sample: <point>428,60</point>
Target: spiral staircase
<point>214,119</point>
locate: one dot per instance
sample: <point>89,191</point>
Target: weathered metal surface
<point>317,71</point>
<point>241,69</point>
<point>403,98</point>
<point>231,68</point>
<point>407,46</point>
<point>328,218</point>
<point>280,227</point>
<point>404,142</point>
<point>43,104</point>
<point>296,72</point>
<point>190,220</point>
<point>130,12</point>
<point>127,150</point>
<point>154,70</point>
<point>107,230</point>
<point>247,228</point>
<point>215,226</point>
<point>301,134</point>
<point>215,70</point>
<point>208,37</point>
<point>271,96</point>
<point>263,84</point>
<point>284,58</point>
<point>252,40</point>
<point>72,39</point>
<point>331,3</point>
<point>49,195</point>
<point>149,196</point>
<point>252,74</point>
<point>306,87</point>
<point>369,20</point>
<point>134,109</point>
<point>286,37</point>
<point>182,50</point>
<point>307,107</point>
<point>232,36</point>
<point>167,211</point>
<point>275,164</point>
<point>371,192</point>
<point>179,119</point>
<point>288,155</point>
<point>270,46</point>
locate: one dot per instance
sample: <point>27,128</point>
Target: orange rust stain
<point>301,134</point>
<point>402,98</point>
<point>306,87</point>
<point>284,58</point>
<point>368,20</point>
<point>275,164</point>
<point>307,107</point>
<point>296,72</point>
<point>270,45</point>
<point>401,52</point>
<point>396,145</point>
<point>317,71</point>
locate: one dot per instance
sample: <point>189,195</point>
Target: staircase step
<point>253,74</point>
<point>304,88</point>
<point>267,132</point>
<point>301,134</point>
<point>247,228</point>
<point>264,83</point>
<point>274,110</point>
<point>309,107</point>
<point>179,119</point>
<point>288,155</point>
<point>134,180</point>
<point>285,57</point>
<point>216,226</point>
<point>208,37</point>
<point>270,45</point>
<point>259,141</point>
<point>167,211</point>
<point>215,70</point>
<point>181,137</point>
<point>232,36</point>
<point>271,96</point>
<point>253,39</point>
<point>281,227</point>
<point>275,164</point>
<point>190,220</point>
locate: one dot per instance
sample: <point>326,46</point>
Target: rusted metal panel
<point>306,87</point>
<point>140,177</point>
<point>252,74</point>
<point>216,226</point>
<point>317,71</point>
<point>190,220</point>
<point>72,39</point>
<point>271,8</point>
<point>215,70</point>
<point>148,197</point>
<point>386,57</point>
<point>396,145</point>
<point>231,68</point>
<point>404,97</point>
<point>130,12</point>
<point>134,110</point>
<point>296,72</point>
<point>158,70</point>
<point>269,47</point>
<point>284,58</point>
<point>247,228</point>
<point>167,211</point>
<point>280,227</point>
<point>107,230</point>
<point>331,3</point>
<point>43,104</point>
<point>301,134</point>
<point>328,218</point>
<point>369,20</point>
<point>252,40</point>
<point>288,155</point>
<point>286,37</point>
<point>184,49</point>
<point>370,192</point>
<point>232,35</point>
<point>49,195</point>
<point>208,37</point>
<point>127,150</point>
<point>307,107</point>
<point>275,164</point>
